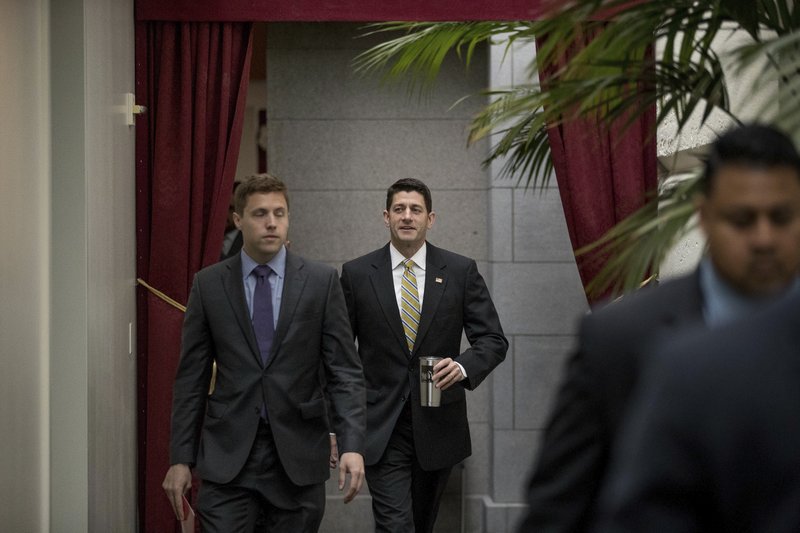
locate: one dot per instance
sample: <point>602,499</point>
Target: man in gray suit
<point>411,449</point>
<point>271,320</point>
<point>749,209</point>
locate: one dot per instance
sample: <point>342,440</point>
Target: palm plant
<point>632,55</point>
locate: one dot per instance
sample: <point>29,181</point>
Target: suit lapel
<point>383,285</point>
<point>234,289</point>
<point>435,284</point>
<point>293,284</point>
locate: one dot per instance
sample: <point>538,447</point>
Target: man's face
<point>264,224</point>
<point>408,220</point>
<point>752,220</point>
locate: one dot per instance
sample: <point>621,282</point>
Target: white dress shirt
<point>419,271</point>
<point>419,259</point>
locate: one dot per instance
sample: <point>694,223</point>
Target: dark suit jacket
<point>236,247</point>
<point>713,440</point>
<point>216,432</point>
<point>456,299</point>
<point>613,343</point>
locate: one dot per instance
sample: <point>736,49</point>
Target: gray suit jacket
<point>456,300</point>
<point>614,343</point>
<point>216,432</point>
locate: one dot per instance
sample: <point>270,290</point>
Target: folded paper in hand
<point>187,524</point>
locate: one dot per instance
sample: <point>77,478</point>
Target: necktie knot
<point>262,272</point>
<point>408,264</point>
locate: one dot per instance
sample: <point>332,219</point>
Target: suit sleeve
<point>345,377</point>
<point>488,344</point>
<point>190,390</point>
<point>572,457</point>
<point>348,298</point>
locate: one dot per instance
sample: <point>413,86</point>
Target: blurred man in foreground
<point>712,442</point>
<point>749,210</point>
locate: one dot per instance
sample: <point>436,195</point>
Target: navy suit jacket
<point>712,443</point>
<point>216,432</point>
<point>456,301</point>
<point>613,344</point>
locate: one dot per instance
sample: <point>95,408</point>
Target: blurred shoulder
<point>673,296</point>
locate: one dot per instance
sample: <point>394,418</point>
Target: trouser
<point>405,498</point>
<point>263,494</point>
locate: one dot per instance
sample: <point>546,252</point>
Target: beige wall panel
<point>24,265</point>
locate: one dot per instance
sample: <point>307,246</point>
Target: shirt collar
<point>277,263</point>
<point>419,258</point>
<point>722,302</point>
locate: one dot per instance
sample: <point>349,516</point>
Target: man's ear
<point>431,219</point>
<point>237,220</point>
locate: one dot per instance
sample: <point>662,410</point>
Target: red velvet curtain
<point>340,10</point>
<point>193,79</point>
<point>604,174</point>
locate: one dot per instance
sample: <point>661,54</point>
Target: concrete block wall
<point>539,294</point>
<point>339,140</point>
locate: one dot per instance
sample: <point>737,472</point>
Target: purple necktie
<point>263,323</point>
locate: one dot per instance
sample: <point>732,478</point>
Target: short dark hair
<point>750,145</point>
<point>409,185</point>
<point>255,184</point>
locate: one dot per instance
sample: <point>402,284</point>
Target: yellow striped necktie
<point>409,303</point>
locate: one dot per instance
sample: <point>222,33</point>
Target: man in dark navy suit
<point>712,443</point>
<point>749,209</point>
<point>410,449</point>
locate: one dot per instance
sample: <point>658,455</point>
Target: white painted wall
<point>753,96</point>
<point>111,266</point>
<point>24,264</point>
<point>67,389</point>
<point>93,372</point>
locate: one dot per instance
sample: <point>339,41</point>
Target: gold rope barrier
<point>161,295</point>
<point>181,308</point>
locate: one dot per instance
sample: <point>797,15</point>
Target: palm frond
<point>418,49</point>
<point>637,245</point>
<point>520,115</point>
<point>612,75</point>
<point>778,62</point>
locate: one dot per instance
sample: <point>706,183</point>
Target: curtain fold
<point>604,173</point>
<point>193,79</point>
